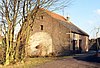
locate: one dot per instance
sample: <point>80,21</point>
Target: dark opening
<point>80,42</point>
<point>74,43</point>
<point>41,27</point>
<point>37,47</point>
<point>41,17</point>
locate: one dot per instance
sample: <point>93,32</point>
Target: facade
<point>52,34</point>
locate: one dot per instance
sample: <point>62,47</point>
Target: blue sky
<point>85,14</point>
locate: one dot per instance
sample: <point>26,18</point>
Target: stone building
<point>52,34</point>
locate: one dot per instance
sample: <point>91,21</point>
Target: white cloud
<point>98,11</point>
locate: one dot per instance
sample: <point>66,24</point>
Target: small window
<point>41,17</point>
<point>41,27</point>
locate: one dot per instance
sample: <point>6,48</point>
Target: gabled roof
<point>52,14</point>
<point>66,23</point>
<point>74,28</point>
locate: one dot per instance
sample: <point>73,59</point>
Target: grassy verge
<point>29,63</point>
<point>32,62</point>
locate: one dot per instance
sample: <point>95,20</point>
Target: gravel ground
<point>75,62</point>
<point>69,63</point>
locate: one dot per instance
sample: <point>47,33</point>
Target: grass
<point>67,57</point>
<point>30,63</point>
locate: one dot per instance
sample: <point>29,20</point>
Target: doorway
<point>80,46</point>
<point>74,44</point>
<point>80,43</point>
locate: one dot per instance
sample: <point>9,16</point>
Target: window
<point>41,17</point>
<point>41,27</point>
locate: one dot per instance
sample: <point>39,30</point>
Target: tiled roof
<point>73,28</point>
<point>54,15</point>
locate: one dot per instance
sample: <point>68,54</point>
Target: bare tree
<point>14,12</point>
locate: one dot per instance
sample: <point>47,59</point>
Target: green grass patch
<point>67,57</point>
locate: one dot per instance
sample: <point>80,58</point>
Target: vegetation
<point>33,62</point>
<point>30,63</point>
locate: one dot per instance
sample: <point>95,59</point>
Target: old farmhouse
<point>52,34</point>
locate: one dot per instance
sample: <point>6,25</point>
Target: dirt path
<point>69,63</point>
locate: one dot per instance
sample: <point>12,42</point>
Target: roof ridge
<point>55,15</point>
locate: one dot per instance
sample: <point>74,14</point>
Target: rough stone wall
<point>81,41</point>
<point>56,33</point>
<point>40,44</point>
<point>63,40</point>
<point>77,38</point>
<point>85,43</point>
<point>48,36</point>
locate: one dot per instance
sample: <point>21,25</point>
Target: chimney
<point>67,18</point>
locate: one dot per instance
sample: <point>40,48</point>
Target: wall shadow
<point>90,58</point>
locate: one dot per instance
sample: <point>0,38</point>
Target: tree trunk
<point>7,59</point>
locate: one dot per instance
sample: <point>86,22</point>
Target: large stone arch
<point>40,44</point>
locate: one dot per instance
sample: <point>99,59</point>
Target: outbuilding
<point>52,34</point>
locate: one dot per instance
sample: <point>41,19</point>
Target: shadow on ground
<point>89,58</point>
